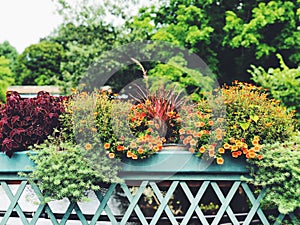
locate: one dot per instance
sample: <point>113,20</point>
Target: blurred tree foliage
<point>228,35</point>
<point>283,84</point>
<point>6,77</point>
<point>39,64</point>
<point>10,53</point>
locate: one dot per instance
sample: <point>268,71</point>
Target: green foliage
<point>250,119</point>
<point>279,172</point>
<point>6,77</point>
<point>177,71</point>
<point>10,53</point>
<point>227,35</point>
<point>249,113</point>
<point>266,18</point>
<point>283,84</point>
<point>63,172</point>
<point>82,45</point>
<point>39,64</point>
<point>81,127</point>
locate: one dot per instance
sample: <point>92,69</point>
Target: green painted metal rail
<point>237,204</point>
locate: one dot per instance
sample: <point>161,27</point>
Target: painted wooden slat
<point>225,202</point>
<point>255,205</point>
<point>194,203</point>
<point>137,209</point>
<point>14,202</point>
<point>161,200</point>
<point>103,205</point>
<point>133,202</point>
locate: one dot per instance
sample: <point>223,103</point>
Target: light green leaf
<point>255,118</point>
<point>245,126</point>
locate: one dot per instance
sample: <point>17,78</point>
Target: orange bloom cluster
<point>135,147</point>
<point>239,147</point>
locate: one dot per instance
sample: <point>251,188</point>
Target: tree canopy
<point>40,64</point>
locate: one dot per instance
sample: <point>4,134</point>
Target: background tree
<point>6,77</point>
<point>228,35</point>
<point>283,84</point>
<point>10,53</point>
<point>39,64</point>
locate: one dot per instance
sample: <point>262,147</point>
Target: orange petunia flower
<point>192,150</point>
<point>111,155</point>
<point>220,161</point>
<point>88,146</point>
<point>193,142</point>
<point>134,156</point>
<point>106,146</point>
<point>235,154</point>
<point>202,149</point>
<point>129,154</point>
<point>219,137</point>
<point>120,148</point>
<point>140,151</point>
<point>227,146</point>
<point>221,150</point>
<point>256,148</point>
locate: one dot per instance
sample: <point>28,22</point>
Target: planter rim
<point>169,161</point>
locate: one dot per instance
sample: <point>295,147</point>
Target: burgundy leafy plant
<point>28,121</point>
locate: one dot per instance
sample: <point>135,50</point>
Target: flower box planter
<point>167,163</point>
<point>10,167</point>
<point>160,166</point>
<point>19,162</point>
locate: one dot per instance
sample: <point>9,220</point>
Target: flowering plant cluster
<point>24,122</point>
<point>238,119</point>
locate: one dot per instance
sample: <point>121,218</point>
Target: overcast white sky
<point>24,22</point>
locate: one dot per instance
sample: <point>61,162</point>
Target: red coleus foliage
<point>28,121</point>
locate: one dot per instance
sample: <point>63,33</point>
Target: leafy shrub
<point>80,126</point>
<point>242,119</point>
<point>62,171</point>
<point>279,172</point>
<point>24,122</point>
<point>72,161</point>
<point>282,83</point>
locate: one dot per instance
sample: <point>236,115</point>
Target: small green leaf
<point>254,118</point>
<point>57,182</point>
<point>245,126</point>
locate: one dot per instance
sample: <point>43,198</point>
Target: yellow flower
<point>140,151</point>
<point>234,148</point>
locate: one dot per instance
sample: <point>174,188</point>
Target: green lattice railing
<point>237,204</point>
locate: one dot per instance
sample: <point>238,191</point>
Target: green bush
<point>279,171</point>
<point>283,84</point>
<point>63,172</point>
